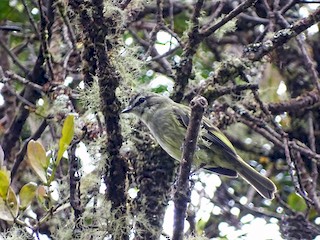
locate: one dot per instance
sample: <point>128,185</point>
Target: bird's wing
<point>222,171</point>
<point>209,132</point>
<point>213,137</point>
<point>182,115</point>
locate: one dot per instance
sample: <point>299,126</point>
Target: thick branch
<point>75,194</point>
<point>12,134</point>
<point>181,196</point>
<point>305,101</point>
<point>97,27</point>
<point>184,69</point>
<point>257,50</point>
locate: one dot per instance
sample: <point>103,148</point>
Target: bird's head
<point>145,105</point>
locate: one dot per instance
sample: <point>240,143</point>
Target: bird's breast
<point>167,133</point>
<point>170,135</point>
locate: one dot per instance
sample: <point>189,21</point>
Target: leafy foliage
<point>38,159</point>
<point>67,135</point>
<point>69,68</point>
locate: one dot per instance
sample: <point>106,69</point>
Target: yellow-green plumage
<point>168,121</point>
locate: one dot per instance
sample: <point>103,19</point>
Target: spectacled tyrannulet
<point>168,121</point>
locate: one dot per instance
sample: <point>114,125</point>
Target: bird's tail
<point>262,184</point>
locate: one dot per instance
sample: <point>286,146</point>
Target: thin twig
<point>309,65</point>
<point>172,34</point>
<point>20,98</point>
<point>312,143</point>
<point>306,181</point>
<point>62,10</point>
<point>155,30</point>
<point>166,54</point>
<point>262,128</point>
<point>218,8</point>
<point>13,57</point>
<point>292,168</point>
<point>235,12</point>
<point>25,81</point>
<point>314,165</point>
<point>10,28</point>
<point>254,19</point>
<point>249,207</point>
<point>44,35</point>
<point>31,20</point>
<point>289,5</point>
<point>266,111</point>
<point>258,50</point>
<point>171,17</point>
<point>164,64</point>
<point>184,69</point>
<point>21,154</point>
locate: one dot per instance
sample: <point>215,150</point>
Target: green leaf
<point>5,212</point>
<point>201,224</point>
<point>37,159</point>
<point>42,196</point>
<point>37,153</point>
<point>4,183</point>
<point>9,206</point>
<point>27,193</point>
<point>12,202</point>
<point>296,202</point>
<point>67,136</point>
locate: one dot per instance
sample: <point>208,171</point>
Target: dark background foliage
<point>256,62</point>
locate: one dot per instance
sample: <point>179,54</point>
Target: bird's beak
<point>127,109</point>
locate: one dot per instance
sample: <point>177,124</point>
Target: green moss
<point>89,97</point>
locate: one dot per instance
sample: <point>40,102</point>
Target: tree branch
<point>257,50</point>
<point>306,101</point>
<point>101,30</point>
<point>185,67</point>
<point>182,192</point>
<point>235,12</point>
<point>75,194</point>
<point>21,154</point>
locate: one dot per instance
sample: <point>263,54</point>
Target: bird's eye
<point>141,100</point>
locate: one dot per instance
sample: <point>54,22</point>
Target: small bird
<point>168,122</point>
